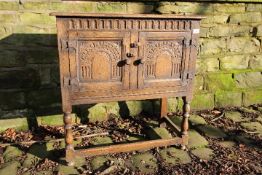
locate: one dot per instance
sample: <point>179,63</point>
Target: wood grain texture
<point>107,58</point>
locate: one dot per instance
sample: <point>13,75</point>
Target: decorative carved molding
<point>128,24</point>
<point>98,54</point>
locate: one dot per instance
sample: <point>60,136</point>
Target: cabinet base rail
<point>128,147</point>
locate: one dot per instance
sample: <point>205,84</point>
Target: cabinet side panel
<point>62,37</point>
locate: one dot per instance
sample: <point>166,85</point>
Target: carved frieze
<point>128,24</point>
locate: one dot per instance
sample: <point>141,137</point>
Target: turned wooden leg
<point>69,138</point>
<point>163,112</point>
<point>185,125</point>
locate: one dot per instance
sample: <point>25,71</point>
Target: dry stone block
<point>252,7</point>
<point>11,59</point>
<point>212,46</point>
<point>203,101</point>
<point>100,140</point>
<point>227,144</point>
<point>112,7</point>
<point>228,98</point>
<point>229,8</point>
<point>136,7</point>
<point>55,120</point>
<point>252,97</point>
<point>196,140</point>
<point>256,62</point>
<point>9,18</point>
<point>197,120</point>
<point>258,30</point>
<point>209,64</point>
<point>248,17</point>
<point>211,131</point>
<point>145,163</point>
<point>243,45</point>
<point>230,30</point>
<point>253,126</point>
<point>16,123</point>
<point>173,156</point>
<point>27,78</point>
<point>9,168</point>
<point>219,82</point>
<point>11,152</point>
<point>35,6</point>
<point>72,7</point>
<point>36,19</point>
<point>12,100</point>
<point>198,83</point>
<point>67,170</point>
<point>234,62</point>
<point>235,116</point>
<point>203,153</point>
<point>249,80</point>
<point>98,162</point>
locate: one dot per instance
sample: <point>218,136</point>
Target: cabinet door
<point>98,60</point>
<point>163,59</point>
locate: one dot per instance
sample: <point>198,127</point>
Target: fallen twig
<point>109,170</point>
<point>54,140</point>
<point>219,117</point>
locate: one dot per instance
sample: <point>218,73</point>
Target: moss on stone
<point>174,156</point>
<point>55,120</point>
<point>97,113</point>
<point>30,160</point>
<point>249,80</point>
<point>203,101</point>
<point>196,140</point>
<point>235,116</point>
<point>234,62</point>
<point>16,123</point>
<point>73,7</point>
<point>134,107</point>
<point>228,98</point>
<point>67,170</point>
<point>9,168</point>
<point>203,153</point>
<point>252,97</point>
<point>145,163</point>
<point>197,120</point>
<point>98,162</point>
<point>9,5</point>
<point>112,7</point>
<point>211,131</point>
<point>11,153</point>
<point>219,82</point>
<point>227,144</point>
<point>157,133</point>
<point>100,140</point>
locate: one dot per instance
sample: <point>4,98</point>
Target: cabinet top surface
<point>108,15</point>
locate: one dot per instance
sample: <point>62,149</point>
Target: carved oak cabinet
<point>112,57</point>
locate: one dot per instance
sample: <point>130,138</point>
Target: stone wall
<point>229,62</point>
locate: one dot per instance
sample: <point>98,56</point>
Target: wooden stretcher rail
<point>128,147</point>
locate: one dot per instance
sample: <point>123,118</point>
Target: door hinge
<point>67,44</point>
<point>190,76</point>
<point>67,81</point>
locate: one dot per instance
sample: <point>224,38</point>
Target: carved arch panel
<point>97,60</point>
